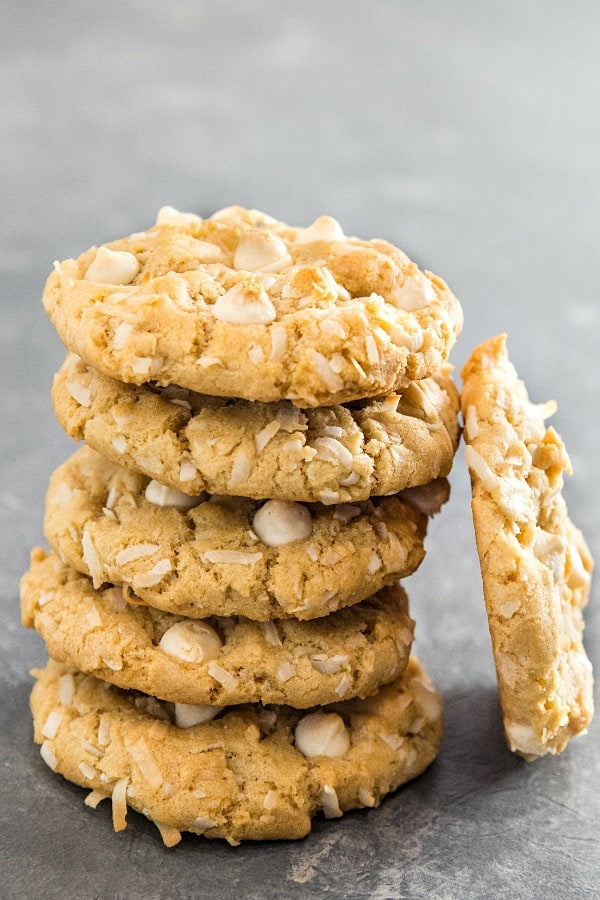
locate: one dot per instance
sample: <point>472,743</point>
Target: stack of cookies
<point>268,421</point>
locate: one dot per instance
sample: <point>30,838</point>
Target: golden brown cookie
<point>241,305</point>
<point>227,555</point>
<point>535,564</point>
<point>196,443</point>
<point>215,661</point>
<point>254,773</point>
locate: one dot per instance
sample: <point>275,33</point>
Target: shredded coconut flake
<point>114,664</point>
<point>137,551</point>
<point>147,764</point>
<point>92,616</point>
<point>206,362</point>
<point>141,365</point>
<point>256,355</point>
<point>87,771</point>
<point>170,835</point>
<point>221,675</point>
<point>94,798</point>
<point>372,351</point>
<point>52,724</point>
<point>240,469</point>
<point>285,672</point>
<point>153,575</point>
<point>323,368</point>
<point>328,665</point>
<point>103,731</point>
<point>343,686</point>
<point>269,630</point>
<point>264,436</point>
<point>122,332</point>
<point>329,449</point>
<point>270,800</point>
<point>90,558</point>
<point>231,556</point>
<point>93,750</point>
<point>328,498</point>
<point>477,463</point>
<point>312,551</point>
<point>203,823</point>
<point>46,597</point>
<point>119,804</point>
<point>394,741</point>
<point>330,326</point>
<point>359,368</point>
<point>66,689</point>
<point>471,422</point>
<point>278,343</point>
<point>366,796</point>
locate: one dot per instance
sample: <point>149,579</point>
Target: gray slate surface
<point>466,132</point>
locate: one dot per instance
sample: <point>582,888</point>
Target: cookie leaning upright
<point>241,305</point>
<point>535,564</point>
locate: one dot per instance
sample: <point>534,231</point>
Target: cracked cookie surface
<point>226,555</point>
<point>535,564</point>
<point>196,443</point>
<point>241,305</point>
<point>215,661</point>
<point>241,776</point>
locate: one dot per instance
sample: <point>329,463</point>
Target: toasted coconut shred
<point>119,804</point>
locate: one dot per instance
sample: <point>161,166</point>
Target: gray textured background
<point>468,133</point>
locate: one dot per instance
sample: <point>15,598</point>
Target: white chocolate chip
<point>322,734</point>
<point>162,495</point>
<point>191,640</point>
<point>325,228</point>
<point>244,304</point>
<point>415,292</point>
<point>168,215</point>
<point>81,394</point>
<point>260,251</point>
<point>523,739</point>
<point>187,715</point>
<point>280,522</point>
<point>113,267</point>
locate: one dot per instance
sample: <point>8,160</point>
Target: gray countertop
<point>467,133</point>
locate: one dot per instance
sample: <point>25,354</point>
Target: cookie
<point>227,555</point>
<point>535,564</point>
<point>241,305</point>
<point>216,661</point>
<point>196,443</point>
<point>254,773</point>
